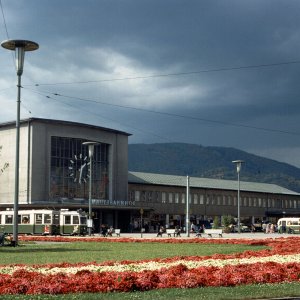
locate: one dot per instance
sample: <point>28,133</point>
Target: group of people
<point>268,228</point>
<point>106,231</point>
<point>162,230</point>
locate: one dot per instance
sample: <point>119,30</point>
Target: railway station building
<point>163,198</point>
<point>54,174</point>
<point>54,168</point>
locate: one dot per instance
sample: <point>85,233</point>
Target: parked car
<point>243,227</point>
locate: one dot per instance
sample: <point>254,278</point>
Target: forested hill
<point>210,162</point>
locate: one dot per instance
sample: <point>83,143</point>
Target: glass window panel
<point>47,219</point>
<point>67,220</point>
<point>170,198</point>
<point>38,219</point>
<point>195,198</point>
<point>163,197</point>
<point>201,199</point>
<point>176,198</point>
<point>25,219</point>
<point>75,219</point>
<point>8,219</point>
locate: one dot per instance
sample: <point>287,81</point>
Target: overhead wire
<point>170,114</point>
<point>6,31</point>
<point>172,74</point>
<point>105,118</point>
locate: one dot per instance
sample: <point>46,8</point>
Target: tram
<point>288,225</point>
<point>45,222</point>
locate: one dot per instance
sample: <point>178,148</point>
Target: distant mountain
<point>210,162</point>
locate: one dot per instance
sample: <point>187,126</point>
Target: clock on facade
<point>79,167</point>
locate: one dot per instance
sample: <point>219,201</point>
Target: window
<point>207,200</point>
<point>8,219</point>
<point>155,196</point>
<point>137,195</point>
<point>149,196</point>
<point>47,219</point>
<point>213,200</point>
<point>25,219</point>
<point>67,157</point>
<point>38,219</point>
<point>250,202</point>
<point>67,220</point>
<point>56,219</point>
<point>163,197</point>
<point>201,199</point>
<point>75,219</point>
<point>234,201</point>
<point>224,200</point>
<point>170,198</point>
<point>183,197</point>
<point>195,198</point>
<point>254,201</point>
<point>143,196</point>
<point>259,202</point>
<point>176,198</point>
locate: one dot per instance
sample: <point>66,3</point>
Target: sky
<point>207,72</point>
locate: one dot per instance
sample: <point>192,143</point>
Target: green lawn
<point>91,251</point>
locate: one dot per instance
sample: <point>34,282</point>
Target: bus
<point>288,225</point>
<point>45,222</point>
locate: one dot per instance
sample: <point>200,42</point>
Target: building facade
<point>163,198</point>
<point>54,168</point>
<point>54,173</point>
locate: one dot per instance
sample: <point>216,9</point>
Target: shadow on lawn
<point>28,249</point>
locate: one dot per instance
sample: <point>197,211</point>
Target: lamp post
<point>91,154</point>
<point>238,169</point>
<point>187,216</point>
<point>19,46</point>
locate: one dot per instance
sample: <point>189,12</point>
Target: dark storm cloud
<point>103,40</point>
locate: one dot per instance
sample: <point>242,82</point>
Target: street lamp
<point>19,46</point>
<point>238,169</point>
<point>91,154</point>
<point>187,216</point>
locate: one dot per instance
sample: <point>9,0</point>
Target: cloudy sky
<point>209,72</point>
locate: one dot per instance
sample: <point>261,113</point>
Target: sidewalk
<point>244,235</point>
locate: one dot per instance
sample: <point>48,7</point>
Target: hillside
<point>210,162</point>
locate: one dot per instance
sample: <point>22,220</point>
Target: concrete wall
<point>41,145</point>
<point>35,154</point>
<point>7,164</point>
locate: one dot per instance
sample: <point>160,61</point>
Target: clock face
<point>79,168</point>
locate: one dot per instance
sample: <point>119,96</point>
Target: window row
<point>211,199</point>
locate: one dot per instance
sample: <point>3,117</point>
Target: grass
<point>90,251</point>
<point>208,293</point>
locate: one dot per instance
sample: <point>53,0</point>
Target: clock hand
<point>80,174</point>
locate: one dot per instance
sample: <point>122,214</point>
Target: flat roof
<point>206,183</point>
<point>62,122</point>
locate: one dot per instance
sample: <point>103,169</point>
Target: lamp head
<point>238,165</point>
<point>20,46</point>
<point>91,147</point>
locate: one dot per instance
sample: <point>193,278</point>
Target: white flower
<point>154,265</point>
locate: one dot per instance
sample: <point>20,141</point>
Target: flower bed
<point>280,263</point>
